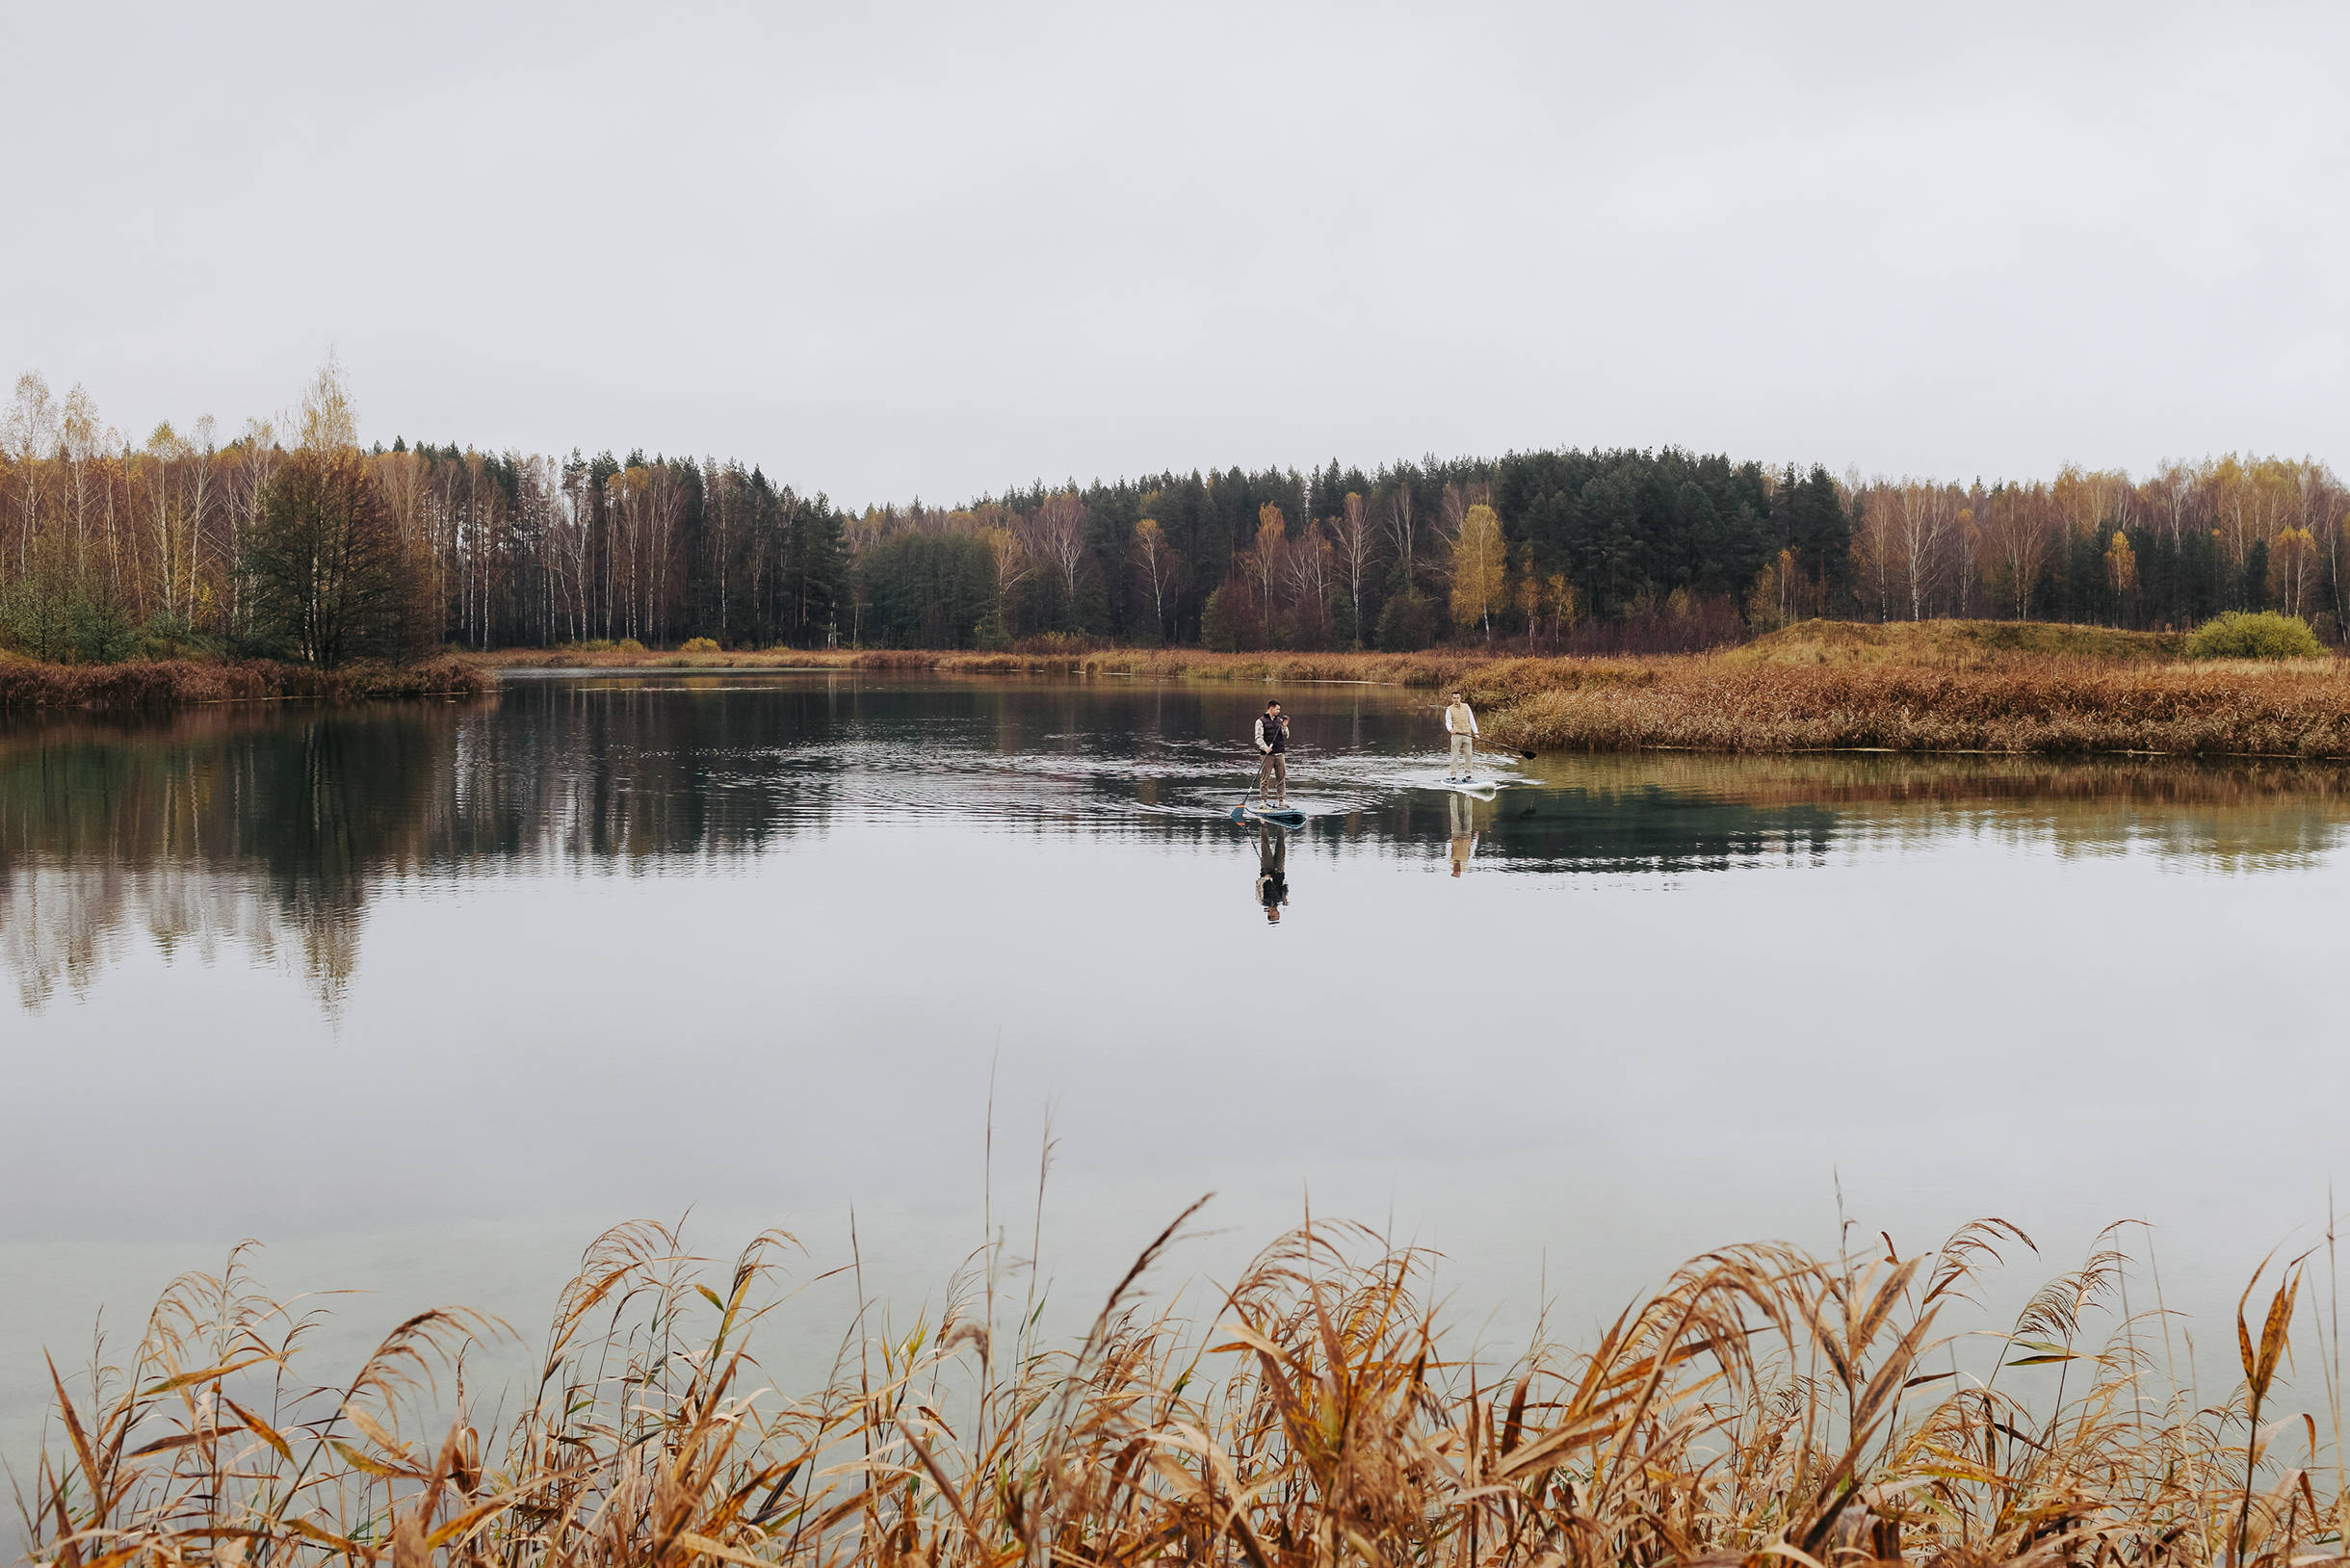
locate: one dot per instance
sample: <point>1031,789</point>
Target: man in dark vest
<point>1273,762</point>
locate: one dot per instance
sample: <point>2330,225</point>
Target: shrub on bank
<point>699,644</point>
<point>2266,634</point>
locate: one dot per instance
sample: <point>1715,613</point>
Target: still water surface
<point>426,996</point>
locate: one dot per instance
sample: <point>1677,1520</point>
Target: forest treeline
<point>110,546</point>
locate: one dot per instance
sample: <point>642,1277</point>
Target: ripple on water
<point>883,781</point>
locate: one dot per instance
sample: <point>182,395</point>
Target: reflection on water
<point>1273,872</point>
<point>261,832</point>
<point>2232,816</point>
<point>1463,821</point>
<point>267,831</point>
<point>61,925</point>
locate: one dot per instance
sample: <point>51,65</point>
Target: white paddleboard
<point>1471,785</point>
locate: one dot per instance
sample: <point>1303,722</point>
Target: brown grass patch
<point>2049,706</point>
<point>1762,1406</point>
<point>1969,645</point>
<point>179,683</point>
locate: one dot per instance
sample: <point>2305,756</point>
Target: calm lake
<point>424,997</point>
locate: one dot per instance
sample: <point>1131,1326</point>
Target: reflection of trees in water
<point>2229,816</point>
<point>1676,812</point>
<point>61,925</point>
<point>582,775</point>
<point>267,830</point>
<point>1627,828</point>
<point>260,830</point>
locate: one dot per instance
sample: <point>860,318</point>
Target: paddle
<point>1474,741</point>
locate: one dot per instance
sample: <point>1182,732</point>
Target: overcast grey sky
<point>890,250</point>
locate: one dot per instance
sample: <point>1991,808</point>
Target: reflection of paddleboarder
<point>1464,832</point>
<point>1272,880</point>
<point>1461,725</point>
<point>1272,746</point>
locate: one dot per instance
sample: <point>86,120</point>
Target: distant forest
<point>108,546</point>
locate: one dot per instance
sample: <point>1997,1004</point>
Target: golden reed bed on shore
<point>2058,707</point>
<point>182,683</point>
<point>1764,1406</point>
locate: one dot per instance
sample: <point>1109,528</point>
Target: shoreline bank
<point>1937,688</point>
<point>2061,709</point>
<point>27,686</point>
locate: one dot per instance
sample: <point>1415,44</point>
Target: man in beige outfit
<point>1461,725</point>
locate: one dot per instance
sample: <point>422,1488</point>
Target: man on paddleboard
<point>1461,725</point>
<point>1272,746</point>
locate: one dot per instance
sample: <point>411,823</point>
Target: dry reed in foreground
<point>180,683</point>
<point>1764,1406</point>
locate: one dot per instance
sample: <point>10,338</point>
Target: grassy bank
<point>1936,644</point>
<point>1762,1406</point>
<point>180,683</point>
<point>1969,644</point>
<point>1161,663</point>
<point>2052,706</point>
